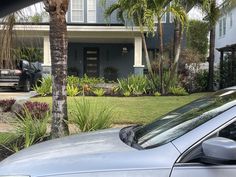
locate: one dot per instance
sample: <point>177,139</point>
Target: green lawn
<point>133,109</point>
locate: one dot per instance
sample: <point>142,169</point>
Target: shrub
<point>136,85</point>
<point>90,117</point>
<point>73,81</point>
<point>7,104</point>
<point>72,90</point>
<point>99,91</point>
<point>36,110</point>
<point>178,91</point>
<point>45,87</point>
<point>28,131</point>
<point>110,74</point>
<point>201,80</point>
<point>157,94</point>
<point>90,80</point>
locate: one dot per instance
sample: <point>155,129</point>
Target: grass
<point>133,110</point>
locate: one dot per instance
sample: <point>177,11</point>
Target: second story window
<point>77,10</point>
<point>231,20</point>
<point>91,11</point>
<point>220,27</point>
<point>224,25</point>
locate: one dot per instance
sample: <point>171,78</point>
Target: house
<point>97,44</point>
<point>225,40</point>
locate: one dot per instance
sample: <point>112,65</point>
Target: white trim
<point>94,21</point>
<point>71,12</point>
<point>84,28</point>
<point>165,17</point>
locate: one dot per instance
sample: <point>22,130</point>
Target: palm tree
<point>132,10</point>
<point>59,44</point>
<point>159,8</point>
<point>6,42</point>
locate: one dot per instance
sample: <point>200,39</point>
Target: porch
<point>92,49</point>
<point>227,66</point>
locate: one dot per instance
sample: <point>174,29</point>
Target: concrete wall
<point>109,55</point>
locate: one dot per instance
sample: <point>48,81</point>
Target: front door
<point>91,62</point>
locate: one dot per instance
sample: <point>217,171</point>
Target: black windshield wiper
<point>127,135</point>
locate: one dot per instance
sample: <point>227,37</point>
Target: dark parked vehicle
<point>24,77</point>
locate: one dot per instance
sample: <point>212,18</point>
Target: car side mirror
<point>219,150</point>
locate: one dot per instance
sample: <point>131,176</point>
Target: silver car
<point>196,140</point>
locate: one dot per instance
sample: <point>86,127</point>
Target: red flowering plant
<point>6,104</point>
<point>36,110</point>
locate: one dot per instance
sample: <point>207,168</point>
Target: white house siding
<point>230,33</point>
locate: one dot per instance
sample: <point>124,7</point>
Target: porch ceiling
<point>102,40</point>
<point>120,33</point>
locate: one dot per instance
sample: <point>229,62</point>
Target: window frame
<point>95,20</point>
<point>71,14</point>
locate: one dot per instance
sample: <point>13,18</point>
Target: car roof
<point>8,6</point>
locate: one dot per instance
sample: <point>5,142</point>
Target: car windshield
<point>180,121</point>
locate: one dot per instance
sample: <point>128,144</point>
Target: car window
<point>185,119</point>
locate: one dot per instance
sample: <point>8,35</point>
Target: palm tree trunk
<point>58,44</point>
<point>211,60</point>
<point>161,52</point>
<point>149,67</point>
<point>177,50</point>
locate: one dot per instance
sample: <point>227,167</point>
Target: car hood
<point>83,153</point>
<point>68,148</point>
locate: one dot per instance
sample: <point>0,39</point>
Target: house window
<point>231,20</point>
<point>172,17</point>
<point>77,10</point>
<point>163,19</point>
<point>91,11</point>
<point>224,25</point>
<point>220,27</point>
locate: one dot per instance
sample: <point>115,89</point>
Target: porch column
<point>221,69</point>
<point>138,50</point>
<point>46,55</point>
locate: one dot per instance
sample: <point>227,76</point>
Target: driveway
<point>8,93</point>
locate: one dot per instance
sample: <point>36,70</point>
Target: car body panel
<point>202,170</point>
<point>101,151</point>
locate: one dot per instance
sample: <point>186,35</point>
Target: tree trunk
<point>177,50</point>
<point>149,67</point>
<point>212,49</point>
<point>161,52</point>
<point>58,43</point>
<point>211,60</point>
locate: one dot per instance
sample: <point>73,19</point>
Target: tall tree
<point>59,45</point>
<point>212,11</point>
<point>132,10</point>
<point>6,42</point>
<point>159,8</point>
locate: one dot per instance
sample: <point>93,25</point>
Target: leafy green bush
<point>90,117</point>
<point>90,80</point>
<point>99,91</point>
<point>72,90</point>
<point>201,79</point>
<point>157,94</point>
<point>45,87</point>
<point>73,81</point>
<point>28,131</point>
<point>135,85</point>
<point>178,91</point>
